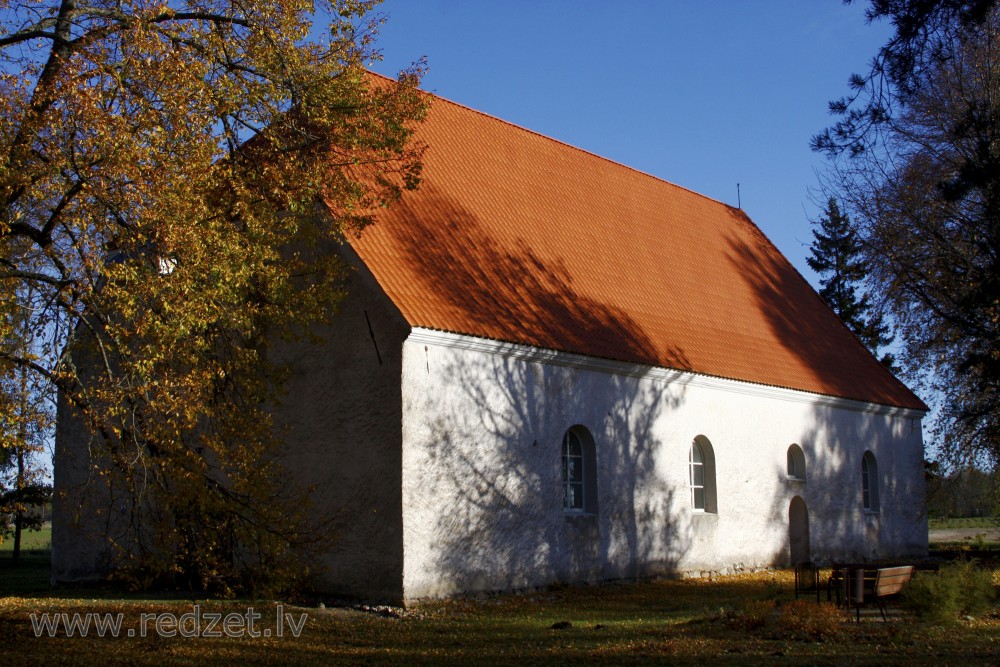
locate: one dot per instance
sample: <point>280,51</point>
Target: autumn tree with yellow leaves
<point>172,176</point>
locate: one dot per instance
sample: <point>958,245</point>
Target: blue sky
<point>702,94</point>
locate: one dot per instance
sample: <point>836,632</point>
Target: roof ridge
<point>578,149</point>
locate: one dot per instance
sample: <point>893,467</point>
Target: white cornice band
<point>422,336</point>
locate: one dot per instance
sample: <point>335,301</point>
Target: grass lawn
<point>31,540</point>
<point>728,621</point>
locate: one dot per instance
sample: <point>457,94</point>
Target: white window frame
<point>696,476</point>
<point>574,473</point>
<point>701,480</point>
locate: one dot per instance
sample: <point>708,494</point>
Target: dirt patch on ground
<point>963,534</point>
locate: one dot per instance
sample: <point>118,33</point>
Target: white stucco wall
<point>483,424</point>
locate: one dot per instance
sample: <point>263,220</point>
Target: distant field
<point>980,533</point>
<point>31,540</point>
<point>964,522</point>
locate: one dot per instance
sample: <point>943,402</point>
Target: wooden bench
<point>854,583</point>
<point>889,581</point>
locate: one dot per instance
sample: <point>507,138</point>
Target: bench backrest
<point>889,580</point>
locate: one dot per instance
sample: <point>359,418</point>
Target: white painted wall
<point>481,486</point>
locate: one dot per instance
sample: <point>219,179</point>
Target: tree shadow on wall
<point>840,527</point>
<point>491,284</point>
<point>835,439</point>
<point>487,463</point>
<point>497,466</point>
<point>811,343</point>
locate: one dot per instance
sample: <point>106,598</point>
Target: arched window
<point>701,475</point>
<point>796,463</point>
<point>869,482</point>
<point>697,463</point>
<point>579,471</point>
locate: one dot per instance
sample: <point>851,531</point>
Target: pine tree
<point>836,257</point>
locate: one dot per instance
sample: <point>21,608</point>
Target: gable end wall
<point>343,410</point>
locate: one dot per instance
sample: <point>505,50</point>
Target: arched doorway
<point>798,530</point>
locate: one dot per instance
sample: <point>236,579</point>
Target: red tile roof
<point>517,237</point>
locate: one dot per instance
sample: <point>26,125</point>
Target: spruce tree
<point>837,258</point>
<point>916,150</point>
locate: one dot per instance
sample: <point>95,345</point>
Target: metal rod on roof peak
<point>738,202</point>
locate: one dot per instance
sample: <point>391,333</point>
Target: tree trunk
<point>19,517</point>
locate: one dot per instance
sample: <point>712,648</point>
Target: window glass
<point>869,482</point>
<point>796,462</point>
<point>697,477</point>
<point>573,472</point>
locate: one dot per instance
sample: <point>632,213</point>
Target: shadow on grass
<point>31,578</point>
<point>729,621</point>
<point>28,578</point>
